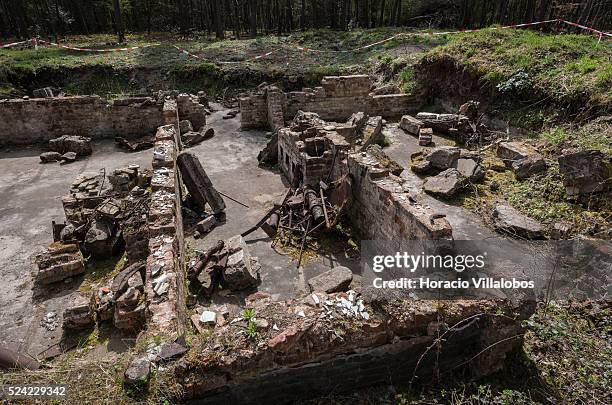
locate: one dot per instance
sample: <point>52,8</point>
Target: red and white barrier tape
<point>110,50</point>
<point>2,46</point>
<point>183,51</point>
<point>593,30</point>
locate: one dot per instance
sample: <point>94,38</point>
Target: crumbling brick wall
<point>189,108</point>
<point>165,271</point>
<point>30,121</point>
<point>38,120</point>
<point>308,157</point>
<point>336,99</point>
<point>381,209</point>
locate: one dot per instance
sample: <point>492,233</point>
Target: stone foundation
<point>39,120</point>
<point>336,99</point>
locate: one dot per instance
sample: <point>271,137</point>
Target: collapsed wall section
<point>336,99</point>
<point>391,346</point>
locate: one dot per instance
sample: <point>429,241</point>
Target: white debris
<point>316,300</point>
<point>274,327</point>
<point>302,314</point>
<point>208,317</point>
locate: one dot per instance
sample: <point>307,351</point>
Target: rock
<point>67,234</point>
<point>445,184</point>
<point>269,154</point>
<point>239,274</point>
<point>509,220</point>
<point>193,138</point>
<point>585,172</point>
<point>205,225</point>
<point>68,143</point>
<point>418,164</point>
<point>470,169</point>
<point>384,160</point>
<point>372,133</point>
<point>137,373</point>
<point>69,157</point>
<point>170,351</point>
<point>357,120</point>
<point>185,126</point>
<point>261,324</point>
<point>443,157</point>
<point>452,124</point>
<point>337,279</point>
<point>208,318</point>
<point>48,157</point>
<point>528,166</point>
<point>411,125</point>
<point>386,89</point>
<point>78,315</point>
<point>510,152</point>
<point>101,240</point>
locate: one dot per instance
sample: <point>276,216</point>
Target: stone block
<point>411,125</point>
<point>337,279</point>
<point>443,157</point>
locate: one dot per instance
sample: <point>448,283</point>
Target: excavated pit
<point>292,342</point>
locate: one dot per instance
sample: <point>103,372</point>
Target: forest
<point>25,18</point>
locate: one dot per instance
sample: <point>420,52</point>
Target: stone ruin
<point>337,98</point>
<point>331,154</point>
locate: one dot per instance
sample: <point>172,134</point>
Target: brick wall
<point>38,120</point>
<point>308,157</point>
<point>336,99</point>
<point>254,112</point>
<point>380,208</point>
<point>166,309</point>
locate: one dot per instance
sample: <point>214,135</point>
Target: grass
<point>161,67</point>
<point>564,70</point>
<point>542,197</point>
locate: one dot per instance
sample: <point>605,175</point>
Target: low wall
<point>380,207</point>
<point>166,305</point>
<point>335,100</point>
<point>305,358</point>
<point>27,121</point>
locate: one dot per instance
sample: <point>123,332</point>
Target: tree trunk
<point>118,22</point>
<point>218,17</point>
<point>344,15</point>
<point>334,14</point>
<point>253,17</point>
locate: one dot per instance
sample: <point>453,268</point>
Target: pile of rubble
<point>189,137</point>
<point>67,149</point>
<point>102,217</point>
<point>228,263</point>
